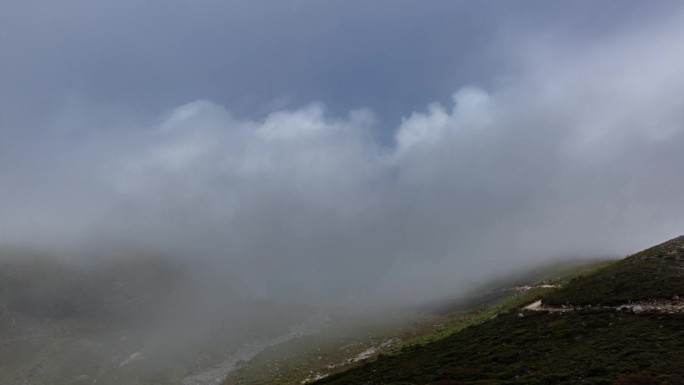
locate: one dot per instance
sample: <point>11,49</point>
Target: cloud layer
<point>578,154</point>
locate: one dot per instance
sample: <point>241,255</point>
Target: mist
<point>181,179</point>
<point>574,153</point>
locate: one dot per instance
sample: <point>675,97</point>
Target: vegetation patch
<point>655,273</point>
<point>330,351</point>
<point>583,347</point>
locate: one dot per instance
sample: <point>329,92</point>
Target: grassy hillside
<point>655,273</point>
<point>591,346</point>
<point>65,325</point>
<point>141,320</point>
<point>348,343</point>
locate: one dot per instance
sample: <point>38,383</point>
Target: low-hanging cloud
<point>578,154</point>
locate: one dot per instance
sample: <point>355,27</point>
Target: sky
<point>332,148</point>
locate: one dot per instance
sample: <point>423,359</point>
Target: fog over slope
<point>576,150</point>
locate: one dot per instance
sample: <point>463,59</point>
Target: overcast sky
<point>313,146</point>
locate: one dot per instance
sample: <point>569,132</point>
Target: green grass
<point>481,340</point>
<point>292,362</point>
<point>579,347</point>
<point>589,347</point>
<point>508,301</point>
<point>473,317</point>
<point>657,272</point>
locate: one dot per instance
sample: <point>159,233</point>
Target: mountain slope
<point>579,345</point>
<point>655,273</point>
<point>134,319</point>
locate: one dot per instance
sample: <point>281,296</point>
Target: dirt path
<point>657,305</point>
<point>530,287</point>
<point>364,355</point>
<point>219,373</point>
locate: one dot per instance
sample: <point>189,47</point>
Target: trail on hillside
<point>219,373</point>
<point>655,305</point>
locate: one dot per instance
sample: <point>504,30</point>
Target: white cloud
<point>580,155</point>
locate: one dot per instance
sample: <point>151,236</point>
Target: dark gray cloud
<point>289,140</point>
<point>392,56</point>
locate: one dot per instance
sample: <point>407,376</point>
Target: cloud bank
<point>578,154</point>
